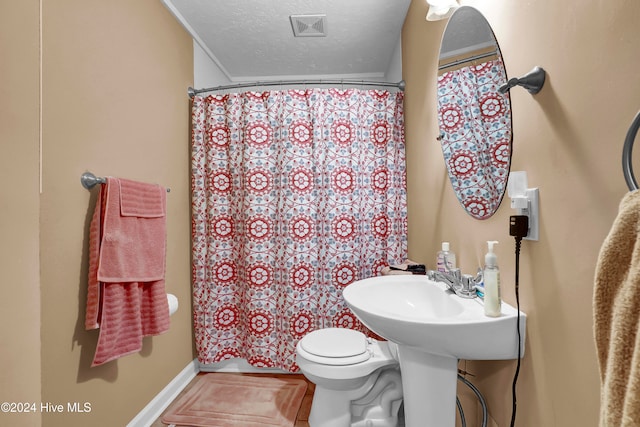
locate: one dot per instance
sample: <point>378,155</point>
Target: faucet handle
<point>468,282</point>
<point>433,274</point>
<point>468,286</point>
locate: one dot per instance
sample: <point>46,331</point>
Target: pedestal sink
<point>433,328</point>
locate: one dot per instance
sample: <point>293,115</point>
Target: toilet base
<point>330,408</point>
<point>375,404</point>
<point>380,406</point>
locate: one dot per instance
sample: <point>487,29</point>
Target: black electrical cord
<point>463,421</point>
<point>515,377</point>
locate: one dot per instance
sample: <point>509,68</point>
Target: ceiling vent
<point>309,25</point>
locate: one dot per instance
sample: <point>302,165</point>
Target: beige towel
<point>616,305</point>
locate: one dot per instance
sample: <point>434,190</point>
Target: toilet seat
<point>335,347</point>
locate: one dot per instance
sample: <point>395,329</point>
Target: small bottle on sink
<point>445,255</point>
<point>491,278</point>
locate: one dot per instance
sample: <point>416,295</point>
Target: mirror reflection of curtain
<point>295,194</point>
<point>475,126</point>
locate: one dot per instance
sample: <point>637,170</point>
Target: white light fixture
<point>441,9</point>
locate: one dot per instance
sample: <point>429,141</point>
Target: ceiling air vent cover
<point>309,25</point>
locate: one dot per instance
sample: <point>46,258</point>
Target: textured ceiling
<point>253,39</point>
<point>467,31</point>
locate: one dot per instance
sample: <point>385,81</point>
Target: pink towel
<point>126,297</point>
<point>133,242</point>
<point>141,200</point>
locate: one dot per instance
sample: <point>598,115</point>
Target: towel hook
<point>532,81</point>
<point>627,167</point>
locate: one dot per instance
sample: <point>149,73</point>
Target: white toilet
<point>357,379</point>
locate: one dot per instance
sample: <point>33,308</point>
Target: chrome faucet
<point>463,285</point>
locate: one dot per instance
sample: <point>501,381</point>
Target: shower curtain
<point>295,194</point>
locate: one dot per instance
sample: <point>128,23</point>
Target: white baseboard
<point>238,365</point>
<point>158,404</point>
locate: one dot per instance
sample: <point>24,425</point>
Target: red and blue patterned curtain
<point>295,194</point>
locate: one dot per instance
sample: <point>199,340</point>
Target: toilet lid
<point>338,345</point>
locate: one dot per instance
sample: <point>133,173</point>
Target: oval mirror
<point>474,118</point>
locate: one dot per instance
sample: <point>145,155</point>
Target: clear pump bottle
<point>446,254</point>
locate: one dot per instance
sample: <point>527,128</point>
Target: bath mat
<point>230,400</point>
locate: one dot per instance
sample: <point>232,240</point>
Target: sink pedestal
<point>429,383</point>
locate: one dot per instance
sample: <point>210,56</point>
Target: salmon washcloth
<point>616,304</point>
<point>126,295</point>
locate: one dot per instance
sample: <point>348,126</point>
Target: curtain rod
<point>400,85</point>
<point>467,59</point>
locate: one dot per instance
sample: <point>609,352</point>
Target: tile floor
<point>303,413</point>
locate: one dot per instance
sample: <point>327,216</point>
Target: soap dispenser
<point>491,275</point>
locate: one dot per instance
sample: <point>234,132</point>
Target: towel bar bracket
<point>89,180</point>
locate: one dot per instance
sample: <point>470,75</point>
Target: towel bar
<point>89,181</point>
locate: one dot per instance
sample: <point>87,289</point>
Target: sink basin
<point>433,328</point>
<point>420,313</point>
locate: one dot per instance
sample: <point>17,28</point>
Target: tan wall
<point>19,142</point>
<point>569,140</point>
<point>114,102</point>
